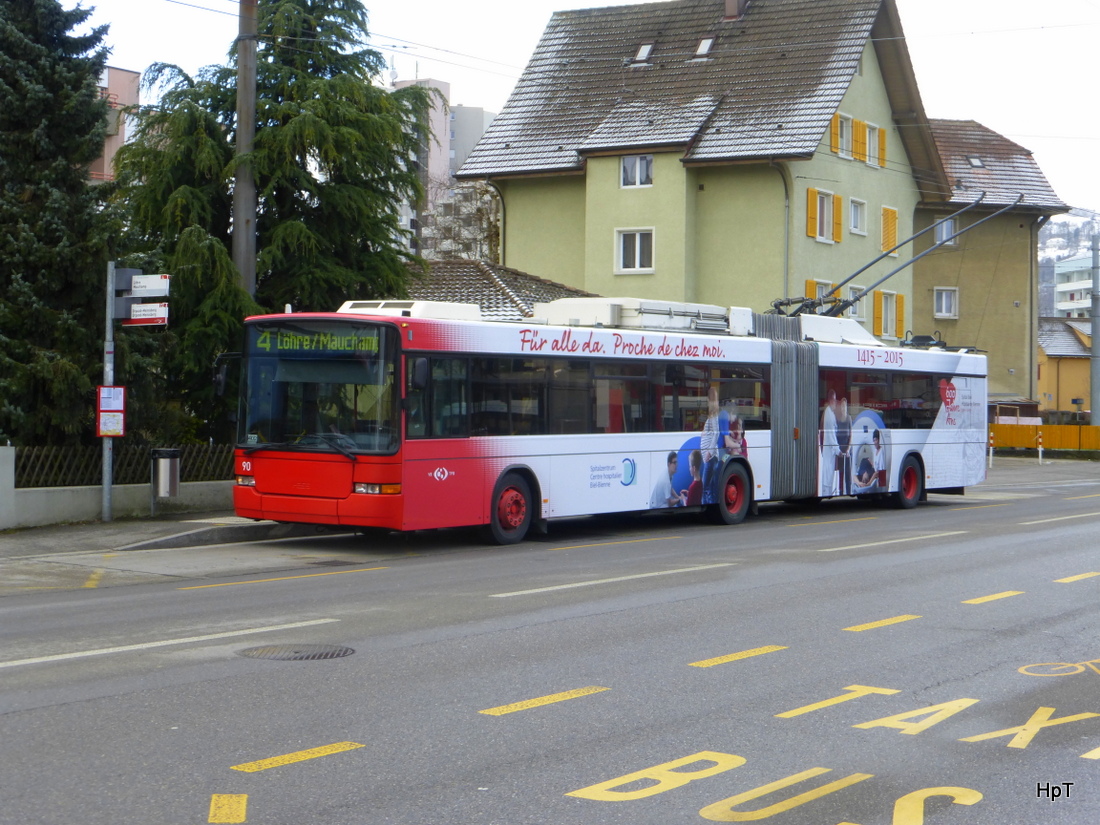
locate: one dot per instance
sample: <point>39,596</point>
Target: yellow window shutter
<point>889,228</point>
<point>838,218</point>
<point>859,140</point>
<point>811,289</point>
<point>834,135</point>
<point>899,310</point>
<point>881,147</point>
<point>877,325</point>
<point>811,212</point>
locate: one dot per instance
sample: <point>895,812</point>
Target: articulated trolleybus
<point>406,415</point>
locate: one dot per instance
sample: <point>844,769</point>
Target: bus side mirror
<point>419,374</point>
<point>220,376</point>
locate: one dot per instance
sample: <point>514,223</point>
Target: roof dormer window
<point>703,49</point>
<point>643,53</point>
<point>975,161</point>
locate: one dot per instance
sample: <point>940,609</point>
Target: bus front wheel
<point>910,484</point>
<point>511,512</point>
<point>734,495</point>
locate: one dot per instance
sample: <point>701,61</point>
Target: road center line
<point>1061,518</point>
<point>994,597</point>
<point>607,581</point>
<point>282,578</point>
<point>733,657</point>
<point>542,700</point>
<point>891,541</point>
<point>298,756</point>
<point>103,651</point>
<point>882,623</point>
<point>1076,578</point>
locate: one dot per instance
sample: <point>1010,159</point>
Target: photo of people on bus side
<point>853,451</point>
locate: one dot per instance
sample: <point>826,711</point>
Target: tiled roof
<point>1007,169</point>
<point>767,89</point>
<point>1065,337</point>
<point>503,294</point>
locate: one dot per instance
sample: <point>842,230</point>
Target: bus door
<point>794,424</point>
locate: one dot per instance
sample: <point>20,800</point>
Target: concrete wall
<point>35,507</point>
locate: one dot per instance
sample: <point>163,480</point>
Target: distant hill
<point>1066,236</point>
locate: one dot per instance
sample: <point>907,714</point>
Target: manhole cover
<point>296,653</point>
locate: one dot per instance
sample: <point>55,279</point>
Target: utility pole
<point>1094,360</point>
<point>244,187</point>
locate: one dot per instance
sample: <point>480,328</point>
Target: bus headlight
<point>246,481</point>
<point>377,489</point>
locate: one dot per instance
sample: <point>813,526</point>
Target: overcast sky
<point>1020,67</point>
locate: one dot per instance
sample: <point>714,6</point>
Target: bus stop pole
<point>1094,360</point>
<point>108,380</point>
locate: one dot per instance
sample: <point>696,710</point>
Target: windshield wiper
<point>272,445</point>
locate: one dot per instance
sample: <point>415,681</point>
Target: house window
<point>855,311</point>
<point>889,229</point>
<point>871,153</point>
<point>945,230</point>
<point>824,216</point>
<point>635,251</point>
<point>843,135</point>
<point>642,55</point>
<point>975,161</point>
<point>946,302</point>
<point>637,170</point>
<point>703,49</point>
<point>886,315</point>
<point>857,216</point>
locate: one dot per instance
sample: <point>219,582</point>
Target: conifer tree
<point>53,229</point>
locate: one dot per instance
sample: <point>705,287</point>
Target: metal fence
<point>83,466</point>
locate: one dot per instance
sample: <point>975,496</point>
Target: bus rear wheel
<point>910,484</point>
<point>511,513</point>
<point>734,495</point>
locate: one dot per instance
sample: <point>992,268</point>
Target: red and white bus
<point>409,415</point>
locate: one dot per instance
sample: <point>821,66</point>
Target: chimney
<point>735,9</point>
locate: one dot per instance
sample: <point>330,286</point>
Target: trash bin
<point>166,471</point>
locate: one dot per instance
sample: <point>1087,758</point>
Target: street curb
<point>229,534</point>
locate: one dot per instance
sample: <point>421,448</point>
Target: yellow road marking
<point>228,808</point>
<point>980,506</point>
<point>994,597</point>
<point>93,580</point>
<point>282,578</point>
<point>882,623</point>
<point>1075,498</point>
<point>298,756</point>
<point>609,543</point>
<point>733,657</point>
<point>542,700</point>
<point>1076,578</point>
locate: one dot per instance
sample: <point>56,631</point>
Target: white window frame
<point>889,314</point>
<point>634,164</point>
<point>643,53</point>
<point>945,302</point>
<point>857,208</point>
<point>872,145</point>
<point>946,230</point>
<point>704,47</point>
<point>844,137</point>
<point>855,311</point>
<point>637,232</point>
<point>824,217</point>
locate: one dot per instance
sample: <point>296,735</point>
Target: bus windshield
<point>319,385</point>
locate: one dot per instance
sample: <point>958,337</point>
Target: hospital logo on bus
<point>442,473</point>
<point>630,472</point>
<point>947,392</point>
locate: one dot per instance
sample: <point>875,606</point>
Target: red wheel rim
<point>909,482</point>
<point>511,509</point>
<point>734,494</point>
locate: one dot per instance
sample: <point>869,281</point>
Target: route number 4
<point>908,810</point>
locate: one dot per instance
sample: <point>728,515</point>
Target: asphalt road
<point>844,664</point>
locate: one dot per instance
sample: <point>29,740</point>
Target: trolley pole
<point>1094,360</point>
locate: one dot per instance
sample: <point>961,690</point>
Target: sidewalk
<point>197,530</point>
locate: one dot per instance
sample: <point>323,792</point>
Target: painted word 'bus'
<point>409,415</point>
